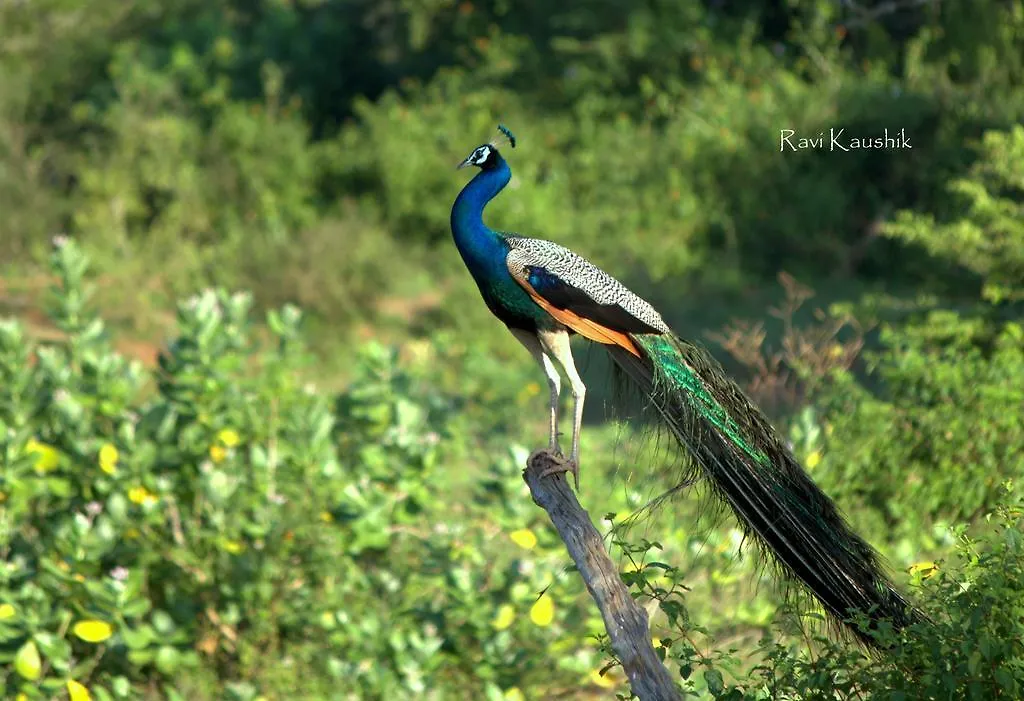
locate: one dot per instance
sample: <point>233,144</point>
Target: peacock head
<point>483,157</point>
<point>486,156</point>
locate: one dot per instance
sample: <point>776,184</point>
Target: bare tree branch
<point>624,619</point>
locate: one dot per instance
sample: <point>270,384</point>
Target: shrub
<point>220,527</point>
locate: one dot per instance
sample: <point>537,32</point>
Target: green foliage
<point>220,508</point>
<point>242,176</point>
<point>942,428</point>
<point>167,530</point>
<point>215,527</point>
<point>971,648</point>
<point>985,218</point>
<point>222,136</point>
<point>945,433</point>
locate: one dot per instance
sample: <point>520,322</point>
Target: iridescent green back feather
<point>679,369</point>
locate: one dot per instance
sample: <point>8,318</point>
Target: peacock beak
<point>463,164</point>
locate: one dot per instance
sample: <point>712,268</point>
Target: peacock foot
<point>560,464</point>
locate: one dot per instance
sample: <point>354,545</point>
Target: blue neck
<point>485,251</point>
<point>478,244</point>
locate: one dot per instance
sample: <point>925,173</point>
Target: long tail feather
<point>750,468</point>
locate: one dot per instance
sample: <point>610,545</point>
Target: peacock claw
<point>562,464</point>
<point>537,452</point>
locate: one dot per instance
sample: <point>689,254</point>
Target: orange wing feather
<point>584,327</point>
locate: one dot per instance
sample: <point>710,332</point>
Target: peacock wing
<point>579,294</point>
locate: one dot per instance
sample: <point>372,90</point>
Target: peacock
<point>544,293</point>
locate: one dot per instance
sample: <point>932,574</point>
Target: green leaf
<point>136,608</point>
<point>117,506</point>
<point>141,657</point>
<point>713,678</point>
<point>27,661</point>
<point>137,638</point>
<point>167,659</point>
<point>100,693</point>
<point>162,622</point>
<point>56,649</point>
<point>121,686</point>
<point>59,487</point>
<point>1006,680</point>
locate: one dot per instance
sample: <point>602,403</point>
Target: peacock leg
<point>532,344</point>
<point>556,344</point>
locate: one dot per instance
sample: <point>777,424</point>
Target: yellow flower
<point>524,538</point>
<point>503,619</point>
<point>326,516</point>
<point>47,457</point>
<point>93,631</point>
<point>925,569</point>
<point>543,612</point>
<point>606,680</point>
<point>6,611</point>
<point>77,692</point>
<point>228,437</point>
<point>514,694</point>
<point>21,697</point>
<point>142,496</point>
<point>218,453</point>
<point>79,577</point>
<point>108,458</point>
<point>527,391</point>
<point>232,546</point>
<point>813,460</point>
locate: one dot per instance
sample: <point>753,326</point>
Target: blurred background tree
<point>304,150</point>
